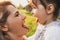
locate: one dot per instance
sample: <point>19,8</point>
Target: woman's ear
<point>4,28</point>
<point>50,8</point>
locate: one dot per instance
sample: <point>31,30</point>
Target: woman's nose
<point>23,17</point>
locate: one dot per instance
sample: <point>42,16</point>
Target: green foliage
<point>30,21</point>
<point>20,7</point>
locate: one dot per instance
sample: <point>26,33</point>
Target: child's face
<point>39,11</point>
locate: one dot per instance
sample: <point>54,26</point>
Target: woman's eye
<point>16,14</point>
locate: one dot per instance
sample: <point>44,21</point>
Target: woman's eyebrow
<point>16,11</point>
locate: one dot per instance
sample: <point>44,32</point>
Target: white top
<point>52,32</point>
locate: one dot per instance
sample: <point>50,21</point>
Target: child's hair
<point>56,4</point>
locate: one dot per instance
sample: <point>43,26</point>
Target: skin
<point>14,26</point>
<point>43,15</point>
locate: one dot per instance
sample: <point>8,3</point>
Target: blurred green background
<point>30,21</point>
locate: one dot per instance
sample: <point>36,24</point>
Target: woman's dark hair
<point>56,4</point>
<point>3,17</point>
<point>4,11</point>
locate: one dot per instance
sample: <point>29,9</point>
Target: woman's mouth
<point>24,26</point>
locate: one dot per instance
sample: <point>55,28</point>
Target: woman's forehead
<point>11,8</point>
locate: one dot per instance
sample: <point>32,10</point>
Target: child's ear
<point>50,8</point>
<point>4,28</point>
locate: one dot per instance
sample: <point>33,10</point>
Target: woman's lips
<point>24,26</point>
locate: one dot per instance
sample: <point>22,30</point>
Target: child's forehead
<point>34,2</point>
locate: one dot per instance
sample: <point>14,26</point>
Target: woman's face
<point>40,12</point>
<point>15,21</point>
